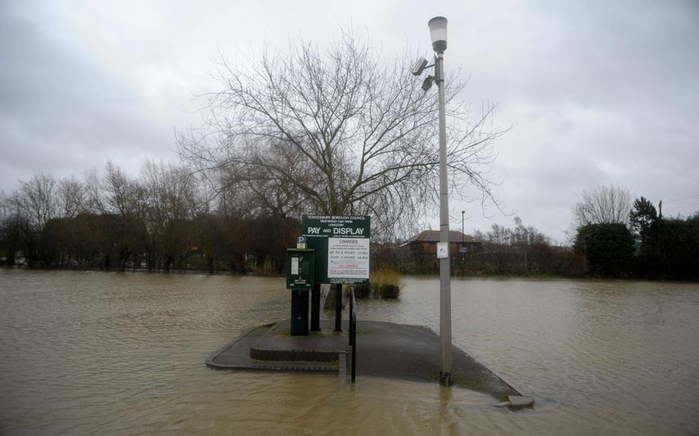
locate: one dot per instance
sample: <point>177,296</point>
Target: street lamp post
<point>526,246</point>
<point>438,34</point>
<point>463,253</point>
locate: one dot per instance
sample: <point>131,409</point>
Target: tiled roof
<point>433,236</point>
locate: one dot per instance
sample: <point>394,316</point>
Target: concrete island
<point>386,350</point>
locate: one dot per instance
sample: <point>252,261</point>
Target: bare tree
<point>71,196</point>
<point>339,132</point>
<point>121,199</point>
<point>603,204</point>
<point>170,205</point>
<point>94,201</point>
<point>170,191</point>
<point>30,208</point>
<point>37,200</point>
<point>121,194</point>
<point>12,225</point>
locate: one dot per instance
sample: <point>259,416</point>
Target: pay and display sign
<point>341,245</point>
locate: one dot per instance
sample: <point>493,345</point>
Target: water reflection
<point>86,352</point>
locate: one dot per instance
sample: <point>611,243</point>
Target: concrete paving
<point>275,338</point>
<point>386,350</point>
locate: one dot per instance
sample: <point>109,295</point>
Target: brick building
<point>425,244</point>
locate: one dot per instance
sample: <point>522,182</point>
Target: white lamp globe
<point>438,32</point>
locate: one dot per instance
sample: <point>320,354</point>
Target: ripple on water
<point>115,353</point>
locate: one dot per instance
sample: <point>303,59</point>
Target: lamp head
<point>438,33</point>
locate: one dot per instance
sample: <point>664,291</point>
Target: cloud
<point>598,91</point>
<point>60,111</point>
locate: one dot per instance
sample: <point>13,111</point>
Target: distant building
<point>425,244</point>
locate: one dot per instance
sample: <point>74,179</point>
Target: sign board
<point>341,245</point>
<point>463,249</point>
<point>348,258</point>
<point>442,250</point>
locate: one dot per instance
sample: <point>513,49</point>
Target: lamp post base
<point>445,379</point>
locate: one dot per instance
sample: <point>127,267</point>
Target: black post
<point>351,318</point>
<point>354,354</point>
<point>299,313</point>
<point>315,308</point>
<point>338,307</point>
<point>353,334</point>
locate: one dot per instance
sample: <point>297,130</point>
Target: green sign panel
<point>341,245</point>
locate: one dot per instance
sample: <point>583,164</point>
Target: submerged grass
<point>386,283</point>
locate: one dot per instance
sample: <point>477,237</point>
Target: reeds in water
<point>386,283</point>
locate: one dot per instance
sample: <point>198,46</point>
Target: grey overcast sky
<point>599,91</point>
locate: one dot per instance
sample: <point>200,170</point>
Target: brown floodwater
<point>108,353</point>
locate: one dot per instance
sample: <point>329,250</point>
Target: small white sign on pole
<point>442,250</point>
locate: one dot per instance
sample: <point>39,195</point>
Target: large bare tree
<point>338,131</point>
<point>37,199</point>
<point>602,204</point>
<point>170,194</point>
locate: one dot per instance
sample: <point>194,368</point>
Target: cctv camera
<point>420,66</point>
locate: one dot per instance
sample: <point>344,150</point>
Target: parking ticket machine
<point>300,280</point>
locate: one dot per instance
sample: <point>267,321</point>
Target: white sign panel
<point>294,266</point>
<point>442,250</point>
<point>348,258</point>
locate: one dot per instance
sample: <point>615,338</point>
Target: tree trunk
<point>11,255</point>
<point>122,261</point>
<point>166,264</point>
<point>261,260</point>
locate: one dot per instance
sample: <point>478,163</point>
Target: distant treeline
<point>518,251</point>
<point>165,220</point>
<point>538,260</point>
<point>649,246</point>
<point>161,221</point>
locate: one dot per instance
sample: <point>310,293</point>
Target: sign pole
<point>338,307</point>
<point>315,308</point>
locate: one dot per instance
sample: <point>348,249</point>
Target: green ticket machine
<point>300,278</point>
